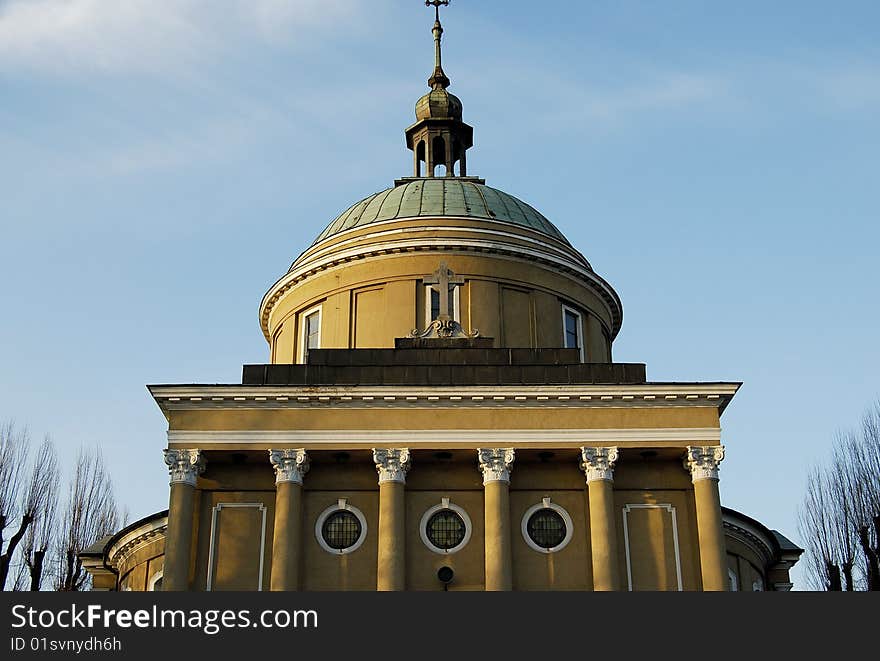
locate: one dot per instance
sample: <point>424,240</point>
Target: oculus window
<point>547,527</point>
<point>445,528</point>
<point>341,528</point>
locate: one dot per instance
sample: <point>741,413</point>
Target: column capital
<point>598,463</point>
<point>185,466</point>
<point>702,461</point>
<point>290,465</point>
<point>496,464</point>
<point>392,464</point>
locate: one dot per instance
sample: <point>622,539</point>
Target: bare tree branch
<point>14,451</point>
<point>44,489</point>
<point>89,515</point>
<point>839,518</point>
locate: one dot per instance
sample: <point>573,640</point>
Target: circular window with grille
<point>341,528</point>
<point>547,527</point>
<point>445,528</point>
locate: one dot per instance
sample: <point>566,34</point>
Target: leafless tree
<point>14,446</point>
<point>44,494</point>
<point>23,497</point>
<point>865,458</point>
<point>839,519</point>
<point>816,530</point>
<point>89,514</point>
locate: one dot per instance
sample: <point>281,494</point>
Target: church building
<point>441,411</point>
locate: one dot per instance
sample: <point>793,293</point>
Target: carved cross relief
<point>443,281</point>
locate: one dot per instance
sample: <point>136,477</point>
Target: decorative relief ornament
<point>391,464</point>
<point>703,461</point>
<point>598,463</point>
<point>290,465</point>
<point>443,281</point>
<point>443,327</point>
<point>496,464</point>
<point>185,466</point>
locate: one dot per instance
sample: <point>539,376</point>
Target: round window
<point>341,529</point>
<point>546,528</point>
<point>445,529</point>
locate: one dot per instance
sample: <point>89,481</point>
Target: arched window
<point>420,157</point>
<point>155,582</point>
<point>438,156</point>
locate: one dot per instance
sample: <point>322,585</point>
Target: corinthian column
<point>702,462</point>
<point>290,467</point>
<point>184,466</point>
<point>496,464</point>
<point>392,466</point>
<point>598,465</point>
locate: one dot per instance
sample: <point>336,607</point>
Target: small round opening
<point>341,530</point>
<point>445,574</point>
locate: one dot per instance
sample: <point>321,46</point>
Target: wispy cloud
<point>123,36</point>
<point>575,102</point>
<point>848,87</point>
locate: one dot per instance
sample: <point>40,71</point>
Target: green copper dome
<point>434,197</point>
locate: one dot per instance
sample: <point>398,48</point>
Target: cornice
<point>751,537</point>
<point>136,539</point>
<point>385,230</point>
<point>233,396</point>
<point>568,262</point>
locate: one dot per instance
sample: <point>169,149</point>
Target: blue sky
<point>162,163</point>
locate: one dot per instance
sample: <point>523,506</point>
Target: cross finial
<point>437,4</point>
<point>438,79</point>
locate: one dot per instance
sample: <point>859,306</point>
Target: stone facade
<point>440,411</point>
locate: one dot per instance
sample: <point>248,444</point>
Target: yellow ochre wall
<point>652,562</point>
<point>369,303</point>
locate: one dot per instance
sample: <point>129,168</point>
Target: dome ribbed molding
<point>453,197</point>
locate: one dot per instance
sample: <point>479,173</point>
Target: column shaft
<point>392,466</point>
<point>499,570</point>
<point>391,571</point>
<point>713,552</point>
<point>178,538</point>
<point>286,542</point>
<point>703,462</point>
<point>603,536</point>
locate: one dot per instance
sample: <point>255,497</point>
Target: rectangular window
<point>310,332</point>
<point>432,303</point>
<point>313,330</point>
<point>572,329</point>
<point>435,304</point>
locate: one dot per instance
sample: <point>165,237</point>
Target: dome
<point>438,104</point>
<point>454,197</point>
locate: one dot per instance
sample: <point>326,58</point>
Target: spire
<point>438,80</point>
<point>439,138</point>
